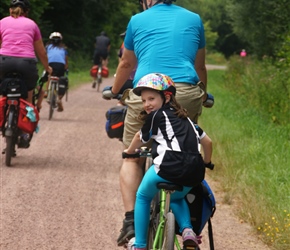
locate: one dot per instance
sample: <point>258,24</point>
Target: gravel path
<point>63,192</point>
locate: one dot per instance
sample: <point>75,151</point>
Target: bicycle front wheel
<point>169,232</point>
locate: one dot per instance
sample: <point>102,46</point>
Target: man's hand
<point>108,94</point>
<point>209,102</point>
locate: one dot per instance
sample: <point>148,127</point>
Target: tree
<point>262,24</point>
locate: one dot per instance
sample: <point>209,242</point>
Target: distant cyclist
<point>20,39</point>
<point>58,59</point>
<point>102,49</point>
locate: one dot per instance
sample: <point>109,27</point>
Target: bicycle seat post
<point>167,203</point>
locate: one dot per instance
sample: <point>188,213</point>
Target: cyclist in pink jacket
<point>20,38</point>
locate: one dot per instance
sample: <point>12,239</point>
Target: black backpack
<point>201,203</point>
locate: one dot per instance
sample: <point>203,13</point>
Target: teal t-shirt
<point>165,39</point>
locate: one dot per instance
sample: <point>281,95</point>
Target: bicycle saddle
<point>169,186</point>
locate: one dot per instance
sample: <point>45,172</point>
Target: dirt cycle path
<point>63,192</point>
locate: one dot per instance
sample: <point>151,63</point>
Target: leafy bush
<point>263,85</point>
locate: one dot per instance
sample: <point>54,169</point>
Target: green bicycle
<point>161,233</point>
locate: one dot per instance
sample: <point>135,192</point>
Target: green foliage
<point>263,85</point>
<point>214,12</point>
<point>210,37</point>
<point>261,27</point>
<point>251,156</point>
<point>215,58</point>
<point>283,53</point>
<point>260,23</point>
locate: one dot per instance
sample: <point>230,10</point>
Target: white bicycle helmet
<point>55,35</point>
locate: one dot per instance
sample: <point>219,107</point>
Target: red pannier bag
<point>94,71</point>
<point>24,123</point>
<point>105,72</point>
<point>2,110</point>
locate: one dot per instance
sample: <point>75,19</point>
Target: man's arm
<point>125,67</point>
<point>200,67</point>
<point>206,144</point>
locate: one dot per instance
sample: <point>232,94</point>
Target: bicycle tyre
<point>66,95</point>
<point>169,232</point>
<point>98,88</point>
<point>154,221</point>
<point>52,101</point>
<point>10,141</point>
<point>9,150</point>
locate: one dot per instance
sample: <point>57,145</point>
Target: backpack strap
<point>210,235</point>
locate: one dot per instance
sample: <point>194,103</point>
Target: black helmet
<point>24,4</point>
<point>103,33</point>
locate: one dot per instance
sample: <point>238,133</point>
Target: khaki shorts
<point>189,96</point>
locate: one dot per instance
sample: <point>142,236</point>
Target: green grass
<point>252,161</point>
<point>215,58</point>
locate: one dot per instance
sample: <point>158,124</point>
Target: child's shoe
<point>190,241</point>
<point>131,247</point>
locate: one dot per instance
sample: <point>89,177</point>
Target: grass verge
<point>252,161</point>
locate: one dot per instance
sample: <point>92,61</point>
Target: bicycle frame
<point>52,96</point>
<point>164,210</point>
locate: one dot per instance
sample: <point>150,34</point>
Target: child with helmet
<point>175,153</point>
<point>58,59</point>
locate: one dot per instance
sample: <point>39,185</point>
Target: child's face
<point>151,100</point>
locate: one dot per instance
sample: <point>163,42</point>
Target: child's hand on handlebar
<point>127,154</point>
<point>49,70</point>
<point>209,165</point>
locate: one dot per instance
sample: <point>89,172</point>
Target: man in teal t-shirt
<point>165,39</point>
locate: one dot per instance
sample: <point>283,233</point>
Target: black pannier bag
<point>115,121</point>
<point>62,85</point>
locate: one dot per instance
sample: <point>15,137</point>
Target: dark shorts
<point>25,66</point>
<point>58,69</point>
<point>98,55</point>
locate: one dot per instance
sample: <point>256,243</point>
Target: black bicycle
<point>18,117</point>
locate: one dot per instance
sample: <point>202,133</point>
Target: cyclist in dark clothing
<point>102,48</point>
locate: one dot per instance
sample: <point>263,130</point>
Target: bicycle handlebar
<point>142,152</point>
<point>145,152</point>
